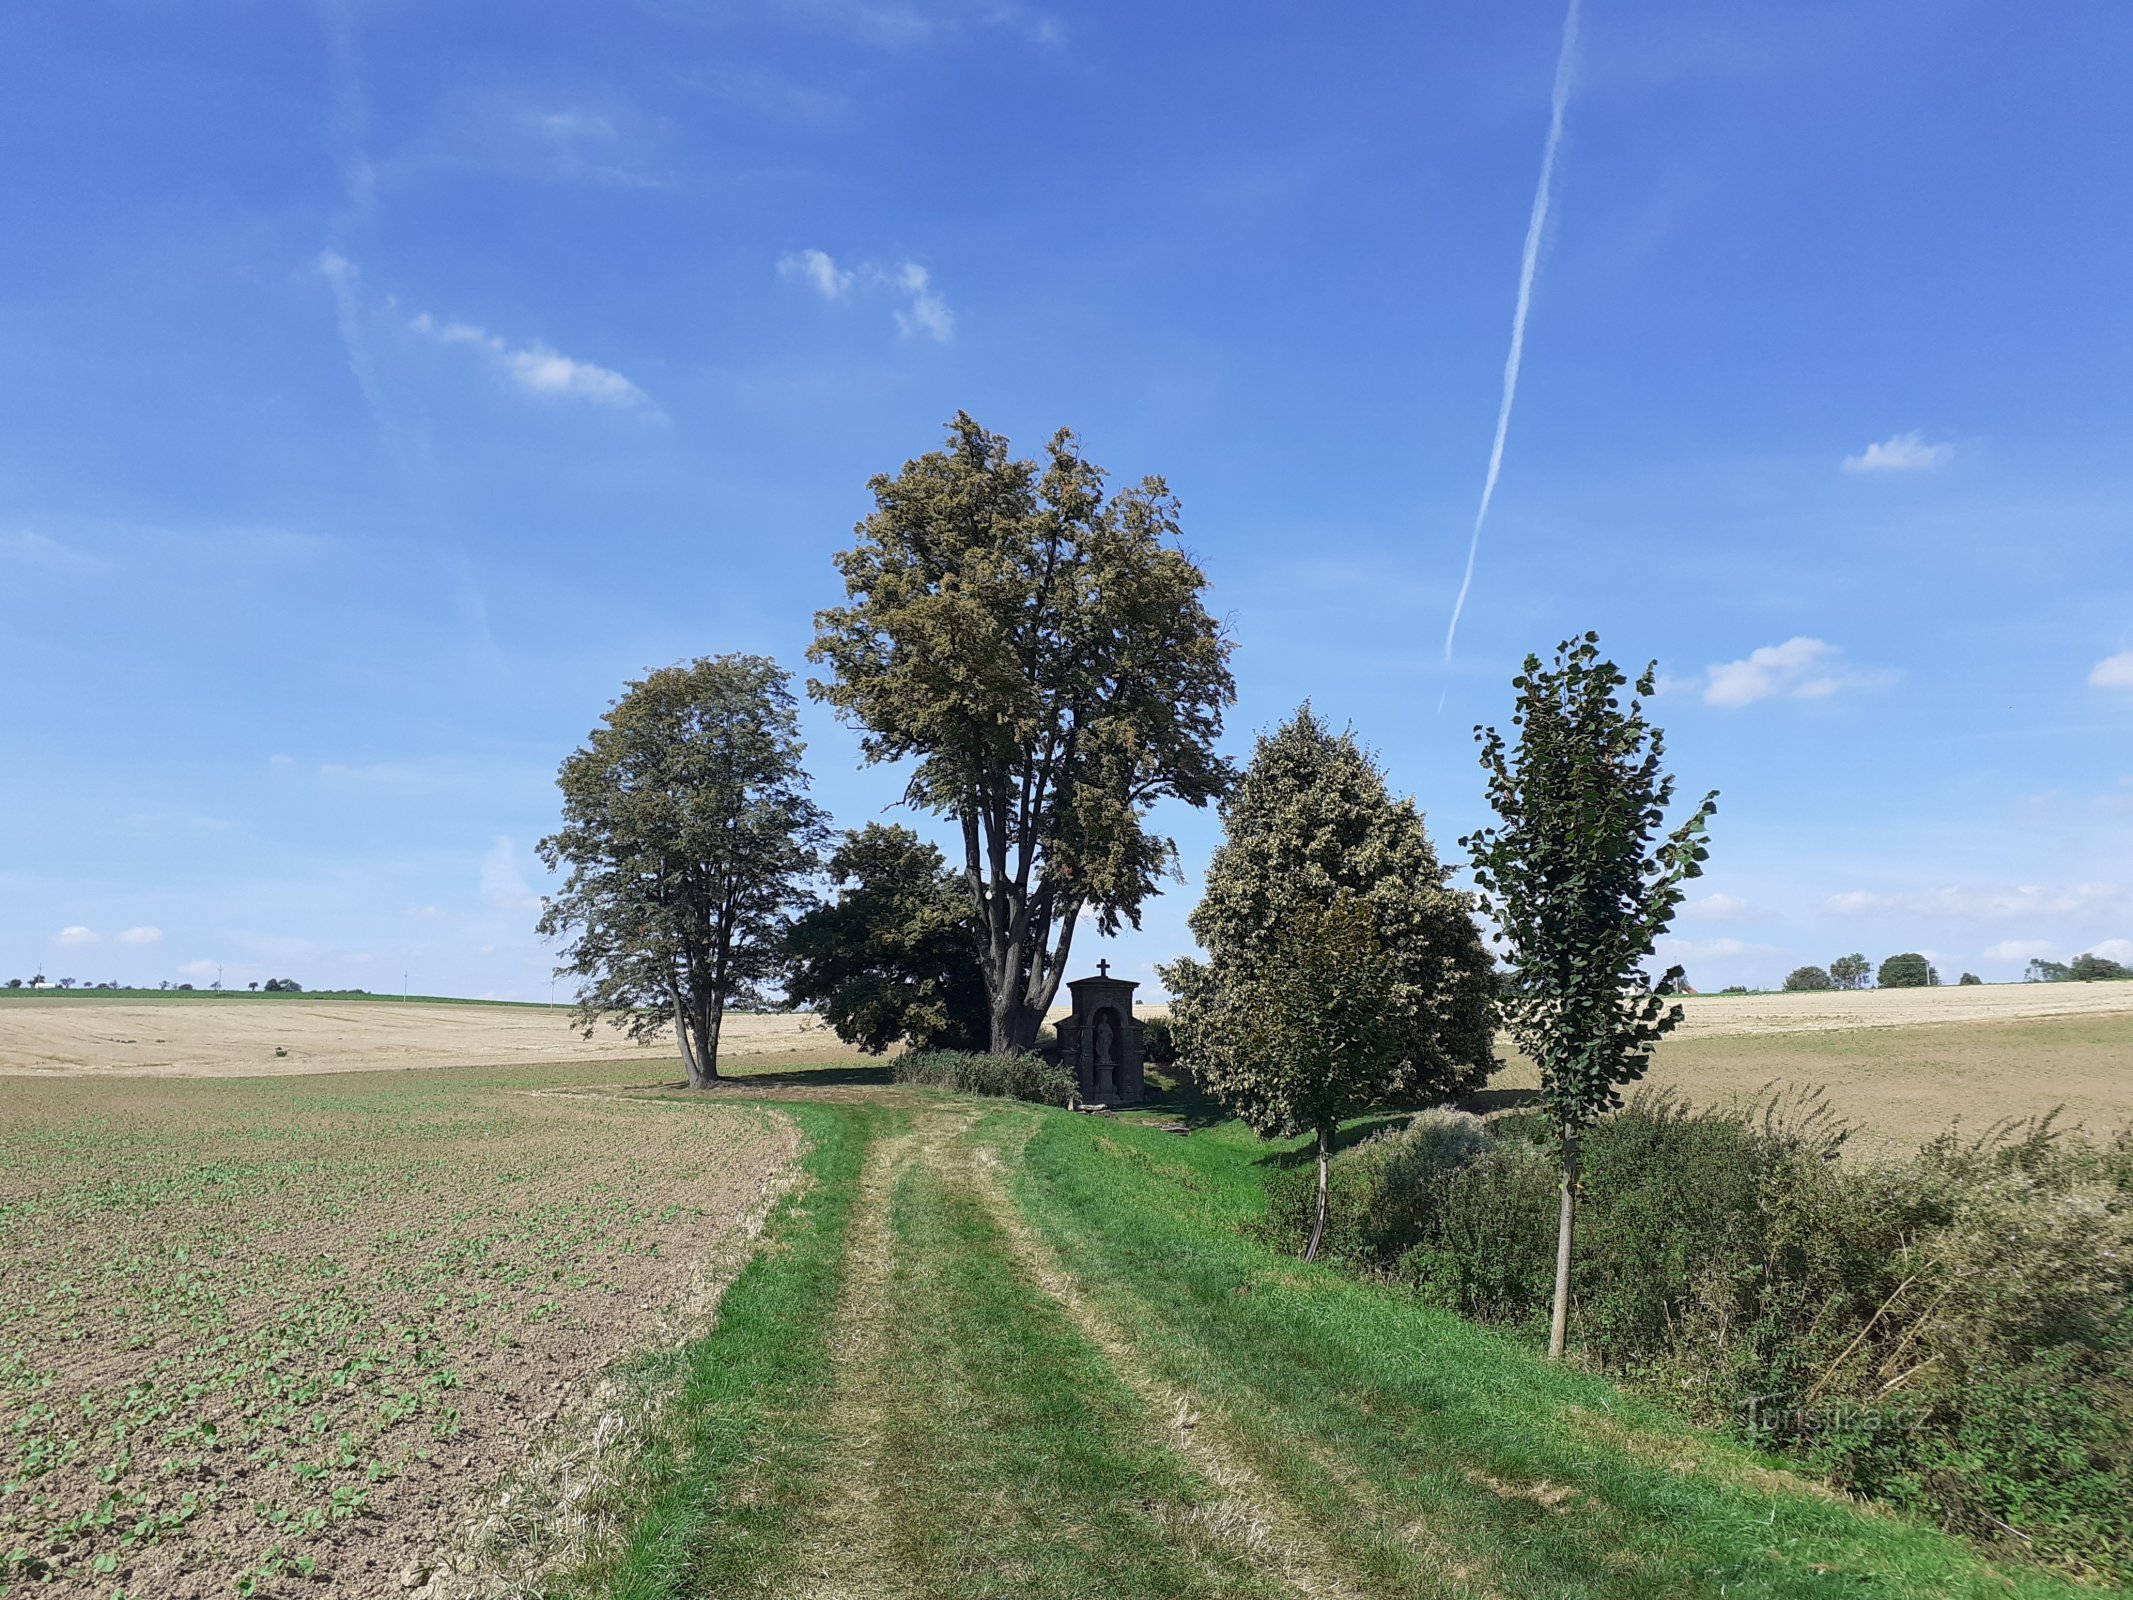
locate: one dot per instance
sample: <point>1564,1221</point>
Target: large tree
<point>1907,971</point>
<point>1581,883</point>
<point>1312,820</point>
<point>1039,652</point>
<point>687,838</point>
<point>892,956</point>
<point>1850,972</point>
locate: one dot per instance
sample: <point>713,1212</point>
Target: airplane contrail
<point>1526,266</point>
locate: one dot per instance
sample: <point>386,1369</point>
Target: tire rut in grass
<point>1276,1533</point>
<point>850,1556</point>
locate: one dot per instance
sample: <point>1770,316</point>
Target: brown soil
<point>288,1341</point>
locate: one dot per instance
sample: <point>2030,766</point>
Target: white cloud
<point>923,308</point>
<point>1907,452</point>
<point>77,935</point>
<point>927,313</point>
<point>2020,950</point>
<point>503,885</point>
<point>1716,908</point>
<point>1985,903</point>
<point>281,761</point>
<point>2119,950</point>
<point>141,936</point>
<point>2114,672</point>
<point>817,269</point>
<point>1799,669</point>
<point>537,369</point>
<point>198,969</point>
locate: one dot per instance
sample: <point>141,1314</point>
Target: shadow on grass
<point>839,1075</point>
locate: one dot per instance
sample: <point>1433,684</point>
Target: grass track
<point>984,1439</point>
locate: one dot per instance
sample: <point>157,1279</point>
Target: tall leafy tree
<point>1581,883</point>
<point>687,838</point>
<point>1312,819</point>
<point>892,956</point>
<point>1306,1029</point>
<point>1907,971</point>
<point>1039,652</point>
<point>1850,972</point>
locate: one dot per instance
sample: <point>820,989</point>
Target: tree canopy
<point>1850,972</point>
<point>892,956</point>
<point>1581,883</point>
<point>1040,653</point>
<point>1310,821</point>
<point>1907,971</point>
<point>1809,979</point>
<point>687,836</point>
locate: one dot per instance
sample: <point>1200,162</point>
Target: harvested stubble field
<point>1905,1064</point>
<point>269,1035</point>
<point>253,1334</point>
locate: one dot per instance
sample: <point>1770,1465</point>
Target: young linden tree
<point>1580,884</point>
<point>687,838</point>
<point>1311,825</point>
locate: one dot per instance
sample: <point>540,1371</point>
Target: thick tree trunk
<point>1566,1219</point>
<point>1318,1221</point>
<point>682,1031</point>
<point>707,1041</point>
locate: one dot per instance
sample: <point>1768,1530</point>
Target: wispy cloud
<point>35,549</point>
<point>503,882</point>
<point>2113,672</point>
<point>1907,452</point>
<point>537,369</point>
<point>921,309</point>
<point>2020,950</point>
<point>1716,908</point>
<point>819,271</point>
<point>78,935</point>
<point>2119,950</point>
<point>141,936</point>
<point>1799,669</point>
<point>927,312</point>
<point>1985,902</point>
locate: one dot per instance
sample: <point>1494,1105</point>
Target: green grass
<point>991,1449</point>
<point>720,1496</point>
<point>1378,1413</point>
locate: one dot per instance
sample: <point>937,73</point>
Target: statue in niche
<point>1106,1040</point>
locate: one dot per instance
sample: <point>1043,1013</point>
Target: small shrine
<point>1101,1041</point>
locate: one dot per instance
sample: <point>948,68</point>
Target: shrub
<point>1969,978</point>
<point>1157,1046</point>
<point>1808,978</point>
<point>1381,1192</point>
<point>1014,1077</point>
<point>1951,1332</point>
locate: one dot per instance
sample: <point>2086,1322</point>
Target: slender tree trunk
<point>1566,1219</point>
<point>1318,1221</point>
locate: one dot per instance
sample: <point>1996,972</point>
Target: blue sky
<point>385,385</point>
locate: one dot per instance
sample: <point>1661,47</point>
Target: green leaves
<point>894,957</point>
<point>1040,654</point>
<point>1578,876</point>
<point>1311,827</point>
<point>687,833</point>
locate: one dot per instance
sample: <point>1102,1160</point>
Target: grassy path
<point>997,1351</point>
